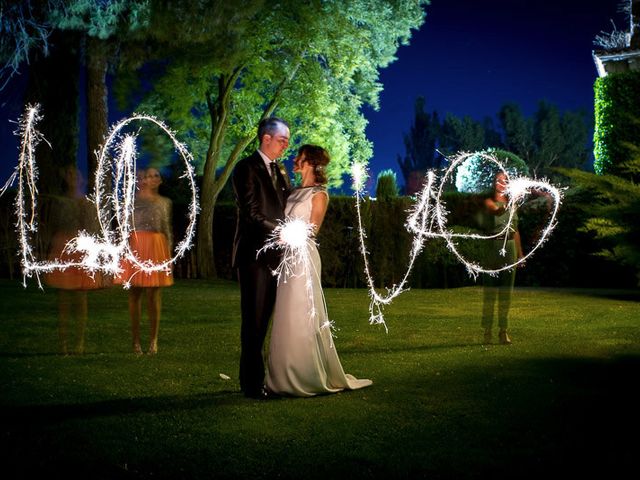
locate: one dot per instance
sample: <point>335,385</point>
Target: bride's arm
<point>319,203</point>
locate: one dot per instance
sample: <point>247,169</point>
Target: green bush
<point>475,174</point>
<point>387,185</point>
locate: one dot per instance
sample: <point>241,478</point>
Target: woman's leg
<point>490,293</point>
<point>81,308</point>
<point>507,281</point>
<point>63,319</point>
<point>135,312</point>
<point>154,306</point>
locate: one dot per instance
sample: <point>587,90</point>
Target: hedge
<point>617,120</point>
<point>566,260</point>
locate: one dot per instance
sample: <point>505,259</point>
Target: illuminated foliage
<point>420,144</point>
<point>616,107</point>
<point>315,64</point>
<point>613,205</point>
<point>386,185</point>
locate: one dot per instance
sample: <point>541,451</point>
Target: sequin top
<point>153,215</point>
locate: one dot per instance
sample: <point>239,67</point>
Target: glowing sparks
<point>295,233</point>
<point>122,197</point>
<point>294,237</point>
<point>291,237</point>
<point>26,199</point>
<point>96,253</point>
<point>428,219</point>
<point>359,176</point>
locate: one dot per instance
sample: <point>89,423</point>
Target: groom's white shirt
<point>267,160</point>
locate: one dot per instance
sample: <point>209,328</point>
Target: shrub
<point>475,174</point>
<point>386,186</point>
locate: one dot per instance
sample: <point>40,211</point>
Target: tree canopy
<point>213,69</point>
<point>546,140</point>
<point>313,63</point>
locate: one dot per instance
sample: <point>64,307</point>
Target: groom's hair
<point>269,126</point>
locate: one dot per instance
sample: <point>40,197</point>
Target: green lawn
<point>561,399</point>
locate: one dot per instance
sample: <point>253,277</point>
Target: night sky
<point>472,56</point>
<point>468,58</point>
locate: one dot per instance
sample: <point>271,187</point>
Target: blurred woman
<point>67,216</point>
<point>499,288</point>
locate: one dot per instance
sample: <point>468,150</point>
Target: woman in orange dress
<point>150,242</point>
<point>67,216</point>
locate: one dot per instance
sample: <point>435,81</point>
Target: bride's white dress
<point>303,360</point>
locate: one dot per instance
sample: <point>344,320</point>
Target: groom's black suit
<point>260,206</point>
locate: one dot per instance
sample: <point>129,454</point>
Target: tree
<point>476,175</point>
<point>23,28</point>
<point>53,83</point>
<point>313,63</point>
<point>616,112</point>
<point>420,144</point>
<point>518,131</point>
<point>560,140</point>
<point>549,139</point>
<point>462,135</point>
<point>94,27</point>
<point>102,26</point>
<point>492,136</point>
<point>613,208</point>
<point>386,186</point>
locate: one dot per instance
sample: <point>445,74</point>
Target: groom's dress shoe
<point>261,394</point>
<point>257,394</point>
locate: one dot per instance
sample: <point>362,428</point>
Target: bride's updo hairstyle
<point>317,157</point>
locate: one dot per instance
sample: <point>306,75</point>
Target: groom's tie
<point>274,174</point>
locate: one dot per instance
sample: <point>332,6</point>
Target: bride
<point>302,357</point>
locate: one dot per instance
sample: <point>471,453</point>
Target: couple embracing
<point>302,358</point>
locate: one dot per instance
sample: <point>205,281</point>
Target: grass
<point>561,399</point>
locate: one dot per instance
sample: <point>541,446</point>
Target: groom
<point>261,193</point>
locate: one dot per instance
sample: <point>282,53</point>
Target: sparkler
<point>123,194</point>
<point>97,253</point>
<point>293,237</point>
<point>428,219</point>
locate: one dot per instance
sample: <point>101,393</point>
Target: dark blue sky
<point>469,58</point>
<point>472,56</point>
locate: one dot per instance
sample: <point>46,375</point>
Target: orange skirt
<point>147,247</point>
<point>72,278</point>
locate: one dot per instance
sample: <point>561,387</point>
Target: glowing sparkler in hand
<point>26,199</point>
<point>428,219</point>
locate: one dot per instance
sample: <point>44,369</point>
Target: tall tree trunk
<point>97,108</point>
<point>53,83</point>
<point>219,112</point>
<point>212,185</point>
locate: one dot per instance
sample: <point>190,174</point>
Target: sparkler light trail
<point>122,196</point>
<point>292,237</point>
<point>103,253</point>
<point>428,219</point>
